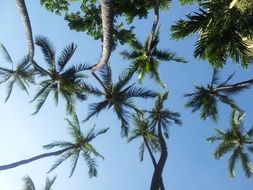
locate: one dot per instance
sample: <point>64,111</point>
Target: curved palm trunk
<point>28,33</point>
<point>107,23</point>
<point>27,26</point>
<point>154,26</point>
<point>243,84</point>
<point>157,175</point>
<point>153,161</point>
<point>26,161</point>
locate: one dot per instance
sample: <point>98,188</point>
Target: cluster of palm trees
<point>150,125</point>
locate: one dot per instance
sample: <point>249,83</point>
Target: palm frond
<point>141,151</point>
<point>246,165</point>
<point>47,49</point>
<point>49,183</point>
<point>74,159</point>
<point>9,89</point>
<point>41,100</point>
<point>95,108</point>
<point>66,55</point>
<point>5,53</point>
<point>140,92</point>
<point>91,164</point>
<point>232,160</point>
<point>223,148</point>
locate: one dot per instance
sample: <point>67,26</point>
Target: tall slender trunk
<point>107,23</point>
<point>243,84</point>
<point>28,33</point>
<point>157,175</point>
<point>27,26</point>
<point>154,26</point>
<point>26,161</point>
<point>153,161</point>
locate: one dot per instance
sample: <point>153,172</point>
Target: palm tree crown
<point>29,185</point>
<point>146,60</point>
<point>206,98</point>
<point>221,31</point>
<point>236,141</point>
<point>60,81</point>
<point>21,75</point>
<point>80,146</point>
<point>119,96</point>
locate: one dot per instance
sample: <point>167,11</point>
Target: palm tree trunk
<point>243,84</point>
<point>157,175</point>
<point>154,26</point>
<point>28,33</point>
<point>153,161</point>
<point>26,161</point>
<point>27,26</point>
<point>107,23</point>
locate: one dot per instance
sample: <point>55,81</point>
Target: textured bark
<point>153,161</point>
<point>107,23</point>
<point>154,26</point>
<point>157,175</point>
<point>26,161</point>
<point>27,26</point>
<point>236,85</point>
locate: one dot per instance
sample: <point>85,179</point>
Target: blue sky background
<point>190,164</point>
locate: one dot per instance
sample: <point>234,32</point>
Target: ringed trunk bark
<point>27,26</point>
<point>157,175</point>
<point>26,161</point>
<point>107,23</point>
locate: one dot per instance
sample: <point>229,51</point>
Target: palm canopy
<point>29,185</point>
<point>221,32</point>
<point>118,96</point>
<point>142,130</point>
<point>80,145</point>
<point>145,60</point>
<point>205,98</point>
<point>59,80</point>
<point>236,141</point>
<point>22,75</point>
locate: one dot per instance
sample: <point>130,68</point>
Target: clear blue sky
<point>190,165</point>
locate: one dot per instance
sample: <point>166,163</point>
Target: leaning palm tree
<point>29,185</point>
<point>80,146</point>
<point>21,75</point>
<point>150,139</point>
<point>107,24</point>
<point>221,29</point>
<point>161,118</point>
<point>118,96</point>
<point>147,57</point>
<point>236,141</point>
<point>206,98</point>
<point>59,80</point>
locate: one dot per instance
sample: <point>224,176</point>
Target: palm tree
<point>21,75</point>
<point>66,82</point>
<point>150,139</point>
<point>29,185</point>
<point>147,57</point>
<point>236,141</point>
<point>119,96</point>
<point>107,24</point>
<point>161,118</point>
<point>221,29</point>
<point>81,145</point>
<point>206,98</point>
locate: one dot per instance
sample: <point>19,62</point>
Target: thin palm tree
<point>236,141</point>
<point>206,98</point>
<point>28,33</point>
<point>147,57</point>
<point>107,24</point>
<point>59,80</point>
<point>161,118</point>
<point>21,75</point>
<point>29,185</point>
<point>150,139</point>
<point>118,96</point>
<point>221,29</point>
<point>80,146</point>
